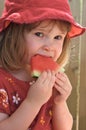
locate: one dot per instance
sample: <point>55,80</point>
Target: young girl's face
<point>46,39</point>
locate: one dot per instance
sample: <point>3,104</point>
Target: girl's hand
<point>41,90</point>
<point>62,88</point>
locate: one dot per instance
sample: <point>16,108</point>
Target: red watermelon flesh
<point>39,63</point>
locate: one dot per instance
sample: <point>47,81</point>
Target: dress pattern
<point>3,98</point>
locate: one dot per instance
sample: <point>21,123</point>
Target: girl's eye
<point>59,37</point>
<point>39,34</point>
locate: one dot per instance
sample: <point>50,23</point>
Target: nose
<point>49,47</point>
<point>46,48</point>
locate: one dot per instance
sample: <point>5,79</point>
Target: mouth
<point>46,55</point>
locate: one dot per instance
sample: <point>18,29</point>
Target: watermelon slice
<point>39,63</point>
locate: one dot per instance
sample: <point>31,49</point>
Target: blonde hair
<point>13,50</point>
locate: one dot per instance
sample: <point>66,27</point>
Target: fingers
<point>50,78</point>
<point>62,83</point>
<point>42,77</point>
<point>47,78</point>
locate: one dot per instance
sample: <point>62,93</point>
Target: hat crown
<point>22,4</point>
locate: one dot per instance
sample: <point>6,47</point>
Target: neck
<point>23,75</point>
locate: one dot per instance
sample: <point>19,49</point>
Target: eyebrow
<point>43,28</point>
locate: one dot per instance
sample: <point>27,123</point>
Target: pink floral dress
<point>13,92</point>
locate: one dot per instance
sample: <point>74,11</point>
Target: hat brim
<point>33,15</point>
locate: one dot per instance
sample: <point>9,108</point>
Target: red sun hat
<point>29,11</point>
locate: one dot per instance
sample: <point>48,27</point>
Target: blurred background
<point>76,69</point>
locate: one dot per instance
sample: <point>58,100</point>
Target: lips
<point>45,54</point>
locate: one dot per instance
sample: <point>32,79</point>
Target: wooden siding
<point>77,70</point>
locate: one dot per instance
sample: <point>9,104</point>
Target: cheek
<point>58,52</point>
<point>32,50</point>
<point>60,47</point>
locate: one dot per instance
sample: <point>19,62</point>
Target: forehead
<point>62,25</point>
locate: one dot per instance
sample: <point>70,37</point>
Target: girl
<point>29,28</point>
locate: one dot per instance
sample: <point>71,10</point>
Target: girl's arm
<point>62,119</point>
<point>39,93</point>
<point>21,118</point>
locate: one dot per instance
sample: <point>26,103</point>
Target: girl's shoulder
<point>7,80</point>
<point>2,74</point>
<point>7,76</point>
<point>4,79</point>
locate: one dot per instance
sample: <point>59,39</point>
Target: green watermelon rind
<point>35,73</point>
<point>62,70</point>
